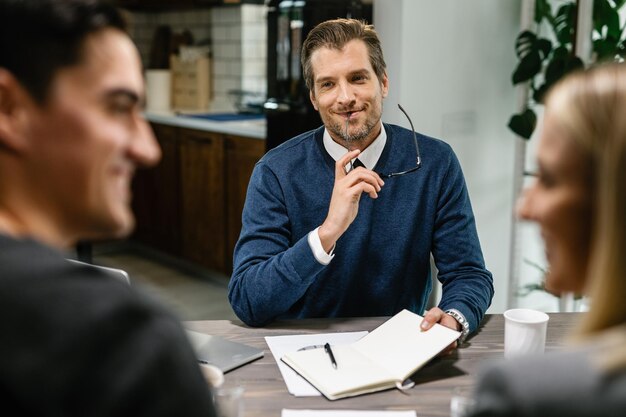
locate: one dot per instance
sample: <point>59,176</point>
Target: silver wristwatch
<point>460,318</point>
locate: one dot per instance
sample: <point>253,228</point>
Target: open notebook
<point>220,352</point>
<point>381,360</point>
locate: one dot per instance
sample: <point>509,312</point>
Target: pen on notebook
<point>330,354</point>
<point>311,347</point>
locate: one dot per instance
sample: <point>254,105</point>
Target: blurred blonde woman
<point>579,201</point>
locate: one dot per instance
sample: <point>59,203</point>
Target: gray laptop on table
<point>220,352</point>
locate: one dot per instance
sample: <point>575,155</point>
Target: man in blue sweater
<point>313,245</point>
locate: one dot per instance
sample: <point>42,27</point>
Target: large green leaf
<point>602,49</point>
<point>544,46</point>
<point>599,11</point>
<point>621,49</point>
<point>543,9</point>
<point>607,49</point>
<point>524,43</point>
<point>560,52</point>
<point>531,51</point>
<point>557,68</point>
<point>527,68</point>
<point>527,42</point>
<point>605,15</point>
<point>540,93</point>
<point>612,24</point>
<point>564,23</point>
<point>523,124</point>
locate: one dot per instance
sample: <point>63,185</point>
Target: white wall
<point>449,64</point>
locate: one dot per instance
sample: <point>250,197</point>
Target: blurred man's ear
<point>13,118</point>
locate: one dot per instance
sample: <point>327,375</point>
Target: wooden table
<point>266,394</point>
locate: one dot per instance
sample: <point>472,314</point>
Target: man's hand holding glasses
<point>344,203</point>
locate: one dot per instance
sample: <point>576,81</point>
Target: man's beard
<point>352,137</point>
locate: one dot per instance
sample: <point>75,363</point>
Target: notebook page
<point>400,346</point>
<point>354,371</point>
<point>281,345</point>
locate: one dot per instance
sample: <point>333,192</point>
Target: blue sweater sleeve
<point>271,272</point>
<point>467,285</point>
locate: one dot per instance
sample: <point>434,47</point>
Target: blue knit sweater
<point>382,262</point>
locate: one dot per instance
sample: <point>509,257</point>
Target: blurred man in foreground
<point>75,341</point>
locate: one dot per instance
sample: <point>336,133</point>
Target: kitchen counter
<point>256,128</point>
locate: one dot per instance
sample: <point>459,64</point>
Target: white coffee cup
<point>524,332</point>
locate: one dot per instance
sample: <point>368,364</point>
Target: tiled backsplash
<point>144,25</point>
<point>238,39</point>
<point>239,50</point>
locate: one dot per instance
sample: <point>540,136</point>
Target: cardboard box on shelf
<point>191,83</point>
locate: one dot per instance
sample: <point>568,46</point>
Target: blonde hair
<point>590,108</point>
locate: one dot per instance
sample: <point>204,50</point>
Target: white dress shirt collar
<point>369,157</point>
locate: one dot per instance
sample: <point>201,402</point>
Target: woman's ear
<point>14,104</point>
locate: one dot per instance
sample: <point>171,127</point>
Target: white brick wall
<point>239,51</point>
<point>144,25</point>
<point>238,36</point>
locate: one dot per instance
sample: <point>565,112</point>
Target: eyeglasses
<point>417,151</point>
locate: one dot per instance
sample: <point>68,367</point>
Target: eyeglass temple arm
<point>417,149</point>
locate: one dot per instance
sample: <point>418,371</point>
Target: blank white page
<point>400,346</point>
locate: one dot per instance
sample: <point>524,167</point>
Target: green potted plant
<point>544,60</point>
<point>545,56</point>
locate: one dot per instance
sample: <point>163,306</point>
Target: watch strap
<point>460,318</point>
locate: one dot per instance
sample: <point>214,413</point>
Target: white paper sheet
<point>280,345</point>
<point>346,413</point>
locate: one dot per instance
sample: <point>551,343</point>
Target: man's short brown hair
<point>335,34</point>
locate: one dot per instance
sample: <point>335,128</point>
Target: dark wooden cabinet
<point>240,157</point>
<point>155,196</point>
<point>190,205</point>
<point>202,198</point>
